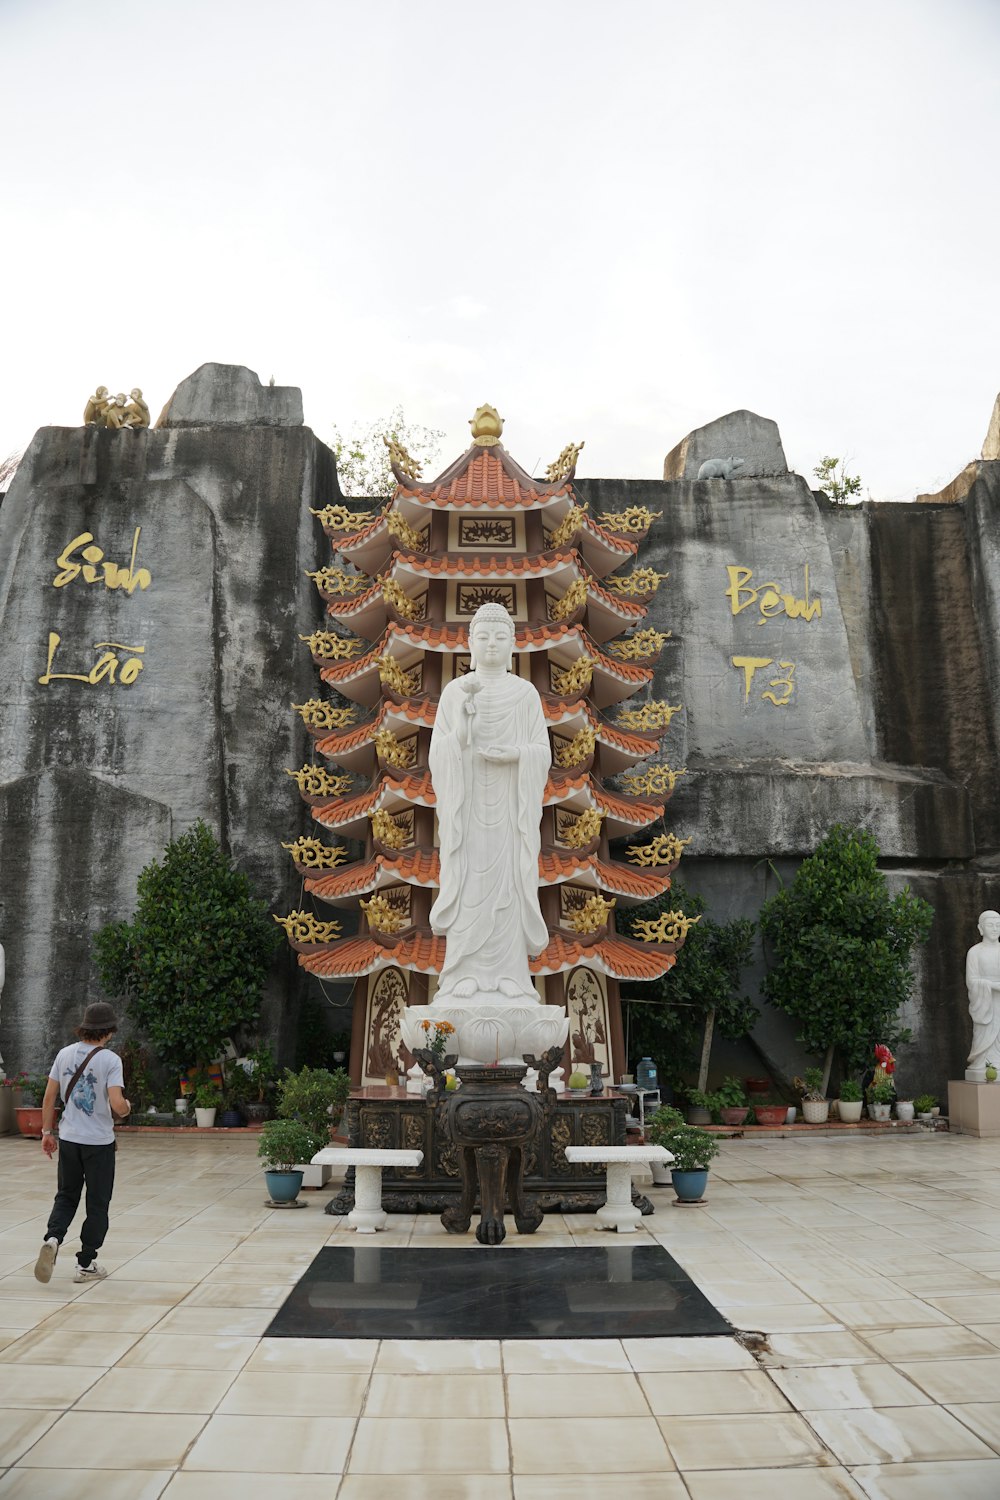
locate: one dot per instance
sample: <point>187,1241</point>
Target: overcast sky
<point>615,221</point>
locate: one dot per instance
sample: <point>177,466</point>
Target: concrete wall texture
<point>835,664</point>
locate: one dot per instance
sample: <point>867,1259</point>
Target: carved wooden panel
<point>589,1023</point>
<point>387,995</point>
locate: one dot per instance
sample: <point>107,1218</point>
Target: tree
<point>192,962</point>
<point>842,948</point>
<point>677,1016</point>
<point>363,467</point>
<point>835,482</point>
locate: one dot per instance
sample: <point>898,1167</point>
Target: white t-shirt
<point>87,1118</point>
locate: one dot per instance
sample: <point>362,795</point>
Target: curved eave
<point>422,951</point>
<point>625,882</point>
<point>488,566</point>
<point>350,814</point>
<point>617,957</point>
<point>482,478</point>
<point>420,867</point>
<point>418,950</point>
<point>622,814</point>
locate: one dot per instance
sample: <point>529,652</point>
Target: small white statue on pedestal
<point>982,978</point>
<point>489,761</point>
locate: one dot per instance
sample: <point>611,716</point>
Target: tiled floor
<point>871,1266</point>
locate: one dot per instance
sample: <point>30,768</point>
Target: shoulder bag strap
<point>78,1075</point>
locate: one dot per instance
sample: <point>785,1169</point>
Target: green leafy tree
<point>363,467</point>
<point>841,949</point>
<point>675,1018</point>
<point>835,482</point>
<point>192,962</point>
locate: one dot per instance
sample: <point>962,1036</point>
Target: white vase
<point>205,1118</point>
<point>180,1105</point>
<point>850,1110</point>
<point>816,1111</point>
<point>904,1109</point>
<point>881,1112</point>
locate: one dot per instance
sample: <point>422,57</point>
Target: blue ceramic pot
<point>690,1186</point>
<point>230,1119</point>
<point>283,1187</point>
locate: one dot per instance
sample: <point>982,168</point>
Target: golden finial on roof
<point>487,426</point>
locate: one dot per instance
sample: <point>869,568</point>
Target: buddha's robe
<point>488,822</point>
<point>982,978</point>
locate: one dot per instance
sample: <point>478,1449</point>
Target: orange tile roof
<point>614,955</point>
<point>419,866</point>
<point>557,865</point>
<point>351,956</point>
<point>617,602</point>
<point>635,810</point>
<point>477,564</point>
<point>421,950</point>
<point>337,811</point>
<point>483,477</point>
<point>420,711</point>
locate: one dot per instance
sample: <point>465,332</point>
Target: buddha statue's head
<point>491,638</point>
<point>989,924</point>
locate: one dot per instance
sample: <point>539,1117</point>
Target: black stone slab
<point>608,1291</point>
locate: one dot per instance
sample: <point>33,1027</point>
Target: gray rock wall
<point>891,725</point>
<point>96,775</point>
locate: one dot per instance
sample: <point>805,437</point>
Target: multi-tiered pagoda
<point>484,530</point>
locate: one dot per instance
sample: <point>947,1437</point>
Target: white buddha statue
<point>489,761</point>
<point>982,978</point>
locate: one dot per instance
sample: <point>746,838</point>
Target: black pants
<point>80,1166</point>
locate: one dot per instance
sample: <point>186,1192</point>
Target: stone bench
<point>367,1214</point>
<point>619,1212</point>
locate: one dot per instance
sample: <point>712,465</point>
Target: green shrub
<point>841,949</point>
<point>731,1094</point>
<point>690,1147</point>
<point>192,962</point>
<point>924,1103</point>
<point>850,1091</point>
<point>285,1143</point>
<point>671,1018</point>
<point>309,1095</point>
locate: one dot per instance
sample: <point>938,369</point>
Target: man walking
<point>90,1082</point>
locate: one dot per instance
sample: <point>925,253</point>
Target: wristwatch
<point>48,1132</point>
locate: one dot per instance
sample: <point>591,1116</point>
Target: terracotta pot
<point>736,1115</point>
<point>770,1114</point>
<point>757,1085</point>
<point>29,1121</point>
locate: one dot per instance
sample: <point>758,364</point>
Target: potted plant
<point>316,1098</point>
<point>692,1150</point>
<point>880,1097</point>
<point>815,1105</point>
<point>29,1112</point>
<point>851,1101</point>
<point>284,1144</point>
<point>666,1118</point>
<point>770,1111</point>
<point>261,1069</point>
<point>731,1101</point>
<point>924,1104</point>
<point>207,1099</point>
<point>238,1087</point>
<point>700,1107</point>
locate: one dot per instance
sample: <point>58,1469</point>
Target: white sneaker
<point>93,1272</point>
<point>46,1260</point>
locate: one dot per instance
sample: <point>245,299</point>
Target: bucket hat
<point>99,1017</point>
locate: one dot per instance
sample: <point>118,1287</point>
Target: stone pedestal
<point>974,1108</point>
